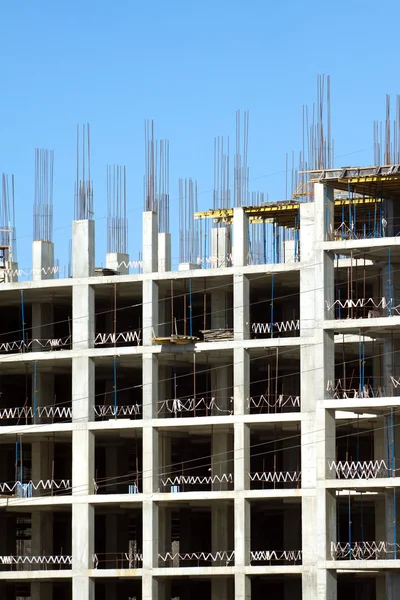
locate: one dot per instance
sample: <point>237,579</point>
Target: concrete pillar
<point>42,260</point>
<point>150,312</point>
<point>42,533</point>
<point>83,316</point>
<point>83,249</point>
<point>42,393</point>
<point>149,386</point>
<point>82,512</point>
<point>241,380</point>
<point>240,238</point>
<point>150,242</point>
<point>221,388</point>
<point>220,246</point>
<point>241,307</point>
<point>164,252</point>
<point>150,550</point>
<point>42,464</point>
<point>42,325</point>
<point>118,261</point>
<point>150,481</point>
<point>82,389</point>
<point>242,586</point>
<point>40,591</point>
<point>218,310</point>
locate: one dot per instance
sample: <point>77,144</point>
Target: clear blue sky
<point>187,65</point>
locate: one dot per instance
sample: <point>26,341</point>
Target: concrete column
<point>150,483</point>
<point>221,457</point>
<point>83,316</point>
<point>218,310</point>
<point>150,550</point>
<point>149,386</point>
<point>42,393</point>
<point>42,325</point>
<point>82,512</point>
<point>40,591</point>
<point>324,211</point>
<point>42,464</point>
<point>150,242</point>
<point>221,387</point>
<point>240,238</point>
<point>164,252</point>
<point>307,271</point>
<point>242,586</point>
<point>83,249</point>
<point>241,457</point>
<point>221,539</point>
<point>118,261</point>
<point>241,380</point>
<point>241,307</point>
<point>150,312</point>
<point>82,389</point>
<point>220,246</point>
<point>42,260</point>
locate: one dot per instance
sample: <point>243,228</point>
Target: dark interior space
<point>191,306</point>
<point>121,590</point>
<point>21,403</point>
<point>278,588</point>
<point>118,388</point>
<point>275,459</point>
<point>118,538</point>
<point>119,463</point>
<point>275,533</point>
<point>118,315</point>
<point>350,587</point>
<point>274,383</point>
<point>191,468</point>
<point>274,306</point>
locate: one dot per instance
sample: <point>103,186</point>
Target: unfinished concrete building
<point>225,430</point>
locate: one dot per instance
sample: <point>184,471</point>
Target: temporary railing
<point>34,563</point>
<point>364,550</point>
<point>125,337</point>
<point>198,406</point>
<point>360,469</point>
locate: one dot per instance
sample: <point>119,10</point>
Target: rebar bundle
<point>156,179</point>
<point>241,170</point>
<point>83,185</point>
<point>8,237</point>
<point>188,233</point>
<point>43,205</point>
<point>117,222</point>
<point>387,151</point>
<point>222,192</point>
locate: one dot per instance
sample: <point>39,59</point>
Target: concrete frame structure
<point>315,576</point>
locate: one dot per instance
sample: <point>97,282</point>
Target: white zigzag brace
<point>36,560</point>
<point>47,343</point>
<point>364,303</point>
<point>133,264</point>
<point>364,550</point>
<point>28,272</point>
<point>206,556</point>
<point>190,404</point>
<point>362,469</point>
<point>133,337</point>
<point>276,477</point>
<point>340,393</point>
<point>280,326</point>
<point>280,402</point>
<point>116,411</point>
<point>27,412</point>
<point>43,484</point>
<point>270,555</point>
<point>197,479</point>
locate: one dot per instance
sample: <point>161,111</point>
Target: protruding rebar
<point>117,222</point>
<point>83,186</point>
<point>43,204</point>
